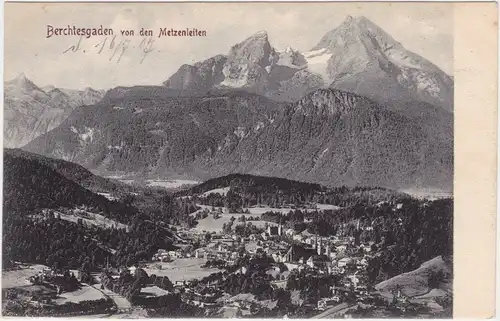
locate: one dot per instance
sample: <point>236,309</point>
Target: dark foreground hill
<point>243,190</point>
<point>73,172</point>
<point>33,182</point>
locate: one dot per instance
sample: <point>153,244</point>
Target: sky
<point>423,28</point>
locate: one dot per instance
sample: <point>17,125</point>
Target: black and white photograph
<point>228,160</point>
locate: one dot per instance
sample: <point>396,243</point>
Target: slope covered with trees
<point>30,184</point>
<point>250,190</point>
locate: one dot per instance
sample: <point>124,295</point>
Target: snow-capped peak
<point>356,56</point>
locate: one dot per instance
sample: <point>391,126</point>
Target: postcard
<point>249,160</point>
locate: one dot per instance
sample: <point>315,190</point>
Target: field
<point>180,269</point>
<point>157,182</point>
<point>17,278</point>
<point>108,196</point>
<point>221,191</point>
<point>209,224</point>
<point>430,194</point>
<point>127,181</point>
<point>152,291</point>
<point>170,184</point>
<point>93,219</point>
<point>415,283</point>
<point>85,293</point>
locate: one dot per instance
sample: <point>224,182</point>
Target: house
<point>334,270</point>
<point>273,230</point>
<point>210,256</point>
<point>180,283</point>
<point>290,232</point>
<point>343,262</point>
<point>325,303</point>
<point>341,248</point>
<point>162,256</point>
<point>199,253</point>
<point>366,248</point>
<point>222,255</point>
<point>279,256</point>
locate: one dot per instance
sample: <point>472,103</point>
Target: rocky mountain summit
<point>357,56</point>
<point>364,59</point>
<point>253,65</point>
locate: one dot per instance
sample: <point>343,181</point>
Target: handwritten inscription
<point>114,47</point>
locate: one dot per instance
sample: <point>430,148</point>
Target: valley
<point>283,231</point>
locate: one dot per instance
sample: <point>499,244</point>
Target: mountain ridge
<point>30,111</point>
<point>330,137</point>
<point>357,56</point>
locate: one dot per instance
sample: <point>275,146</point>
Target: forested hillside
<point>73,172</point>
<point>249,190</point>
<point>63,244</point>
<point>29,184</point>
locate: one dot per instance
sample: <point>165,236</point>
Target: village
<point>290,251</point>
<point>203,260</point>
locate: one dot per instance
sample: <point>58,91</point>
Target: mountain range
<point>357,109</point>
<point>30,111</point>
<point>358,56</point>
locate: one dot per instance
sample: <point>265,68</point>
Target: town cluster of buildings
<point>339,255</point>
<point>220,248</point>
